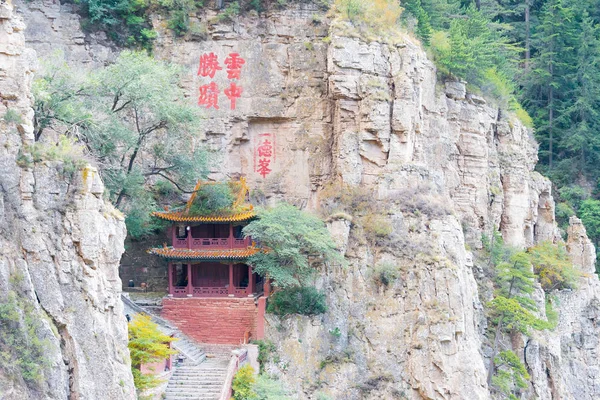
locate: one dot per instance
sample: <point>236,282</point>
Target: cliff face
<point>438,167</point>
<point>60,246</point>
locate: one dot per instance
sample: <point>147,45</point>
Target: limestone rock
<point>59,252</point>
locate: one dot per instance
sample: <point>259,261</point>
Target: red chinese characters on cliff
<point>264,154</point>
<point>209,93</point>
<point>234,65</point>
<point>209,65</point>
<point>209,96</point>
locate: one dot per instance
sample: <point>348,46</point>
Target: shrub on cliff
<point>22,351</point>
<point>292,240</point>
<point>552,265</point>
<point>297,300</point>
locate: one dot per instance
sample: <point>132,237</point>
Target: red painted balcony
<point>210,243</point>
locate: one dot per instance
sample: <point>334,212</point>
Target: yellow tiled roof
<point>192,254</point>
<point>246,210</point>
<point>182,216</point>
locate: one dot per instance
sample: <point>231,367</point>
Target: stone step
<point>196,370</point>
<point>197,389</point>
<point>198,376</point>
<point>199,397</point>
<point>192,393</point>
<point>193,386</point>
<point>202,381</point>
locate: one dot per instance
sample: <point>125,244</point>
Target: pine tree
<point>581,114</point>
<point>545,85</point>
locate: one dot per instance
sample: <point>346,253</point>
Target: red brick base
<point>213,320</point>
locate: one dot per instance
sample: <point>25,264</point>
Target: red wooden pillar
<point>190,288</point>
<point>231,289</point>
<point>250,281</point>
<point>188,236</point>
<point>170,272</point>
<point>231,236</point>
<point>267,286</point>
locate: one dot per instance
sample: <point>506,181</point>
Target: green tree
<point>545,85</point>
<point>133,119</point>
<point>415,8</point>
<point>581,112</point>
<point>292,240</point>
<point>147,345</point>
<point>589,211</point>
<point>511,309</point>
<point>511,374</point>
<point>474,46</point>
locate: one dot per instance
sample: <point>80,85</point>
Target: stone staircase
<point>198,382</point>
<point>192,353</point>
<point>195,376</point>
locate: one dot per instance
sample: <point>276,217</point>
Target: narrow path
<point>195,376</point>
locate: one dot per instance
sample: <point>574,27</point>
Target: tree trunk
<point>550,124</point>
<point>527,35</point>
<point>494,351</point>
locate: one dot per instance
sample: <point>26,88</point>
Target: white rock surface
<point>60,246</point>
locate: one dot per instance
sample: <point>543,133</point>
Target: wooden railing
<point>211,243</point>
<point>208,291</point>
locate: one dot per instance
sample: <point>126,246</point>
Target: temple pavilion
<point>208,252</point>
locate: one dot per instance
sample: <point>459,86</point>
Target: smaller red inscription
<point>264,154</point>
<point>263,167</point>
<point>265,149</point>
<point>234,65</point>
<point>233,92</point>
<point>209,65</point>
<point>209,96</point>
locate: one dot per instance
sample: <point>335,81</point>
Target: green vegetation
<point>11,116</point>
<point>266,349</point>
<point>66,149</point>
<point>211,199</point>
<point>512,310</point>
<point>552,265</point>
<point>511,375</point>
<point>131,117</point>
<point>147,344</point>
<point>385,274</point>
<point>293,241</point>
<point>541,59</point>
<point>22,351</point>
<point>375,16</point>
<point>297,300</point>
<point>266,388</point>
<point>243,381</point>
<point>248,386</point>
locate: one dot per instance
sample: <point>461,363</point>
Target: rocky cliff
<point>63,334</point>
<point>426,168</point>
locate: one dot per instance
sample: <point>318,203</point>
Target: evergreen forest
<point>541,58</point>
